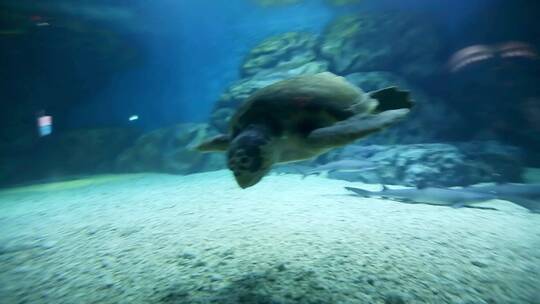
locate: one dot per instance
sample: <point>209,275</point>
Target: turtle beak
<point>246,179</point>
<point>249,158</point>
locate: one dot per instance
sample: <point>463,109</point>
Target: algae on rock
<point>287,50</point>
<point>168,150</point>
<point>434,164</point>
<point>402,43</point>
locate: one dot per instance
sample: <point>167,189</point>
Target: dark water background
<point>191,51</point>
<point>194,51</point>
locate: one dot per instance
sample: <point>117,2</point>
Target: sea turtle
<point>299,118</point>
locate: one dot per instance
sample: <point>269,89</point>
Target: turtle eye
<point>242,162</point>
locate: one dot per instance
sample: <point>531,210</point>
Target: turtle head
<point>250,156</point>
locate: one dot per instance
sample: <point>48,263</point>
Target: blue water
<point>193,50</point>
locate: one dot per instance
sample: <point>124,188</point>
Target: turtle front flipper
<point>347,131</point>
<point>391,98</point>
<point>218,143</point>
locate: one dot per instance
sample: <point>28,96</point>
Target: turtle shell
<point>301,104</point>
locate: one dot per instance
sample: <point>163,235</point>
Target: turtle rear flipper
<point>215,144</point>
<point>391,98</point>
<point>347,131</point>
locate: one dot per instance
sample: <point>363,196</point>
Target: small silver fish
<point>345,165</point>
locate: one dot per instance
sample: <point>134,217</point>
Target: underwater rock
<point>285,51</point>
<point>220,118</point>
<point>438,165</point>
<point>359,43</point>
<point>168,150</point>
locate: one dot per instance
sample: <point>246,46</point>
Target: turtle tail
<point>391,98</point>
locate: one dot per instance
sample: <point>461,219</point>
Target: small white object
<point>44,123</point>
<point>133,117</point>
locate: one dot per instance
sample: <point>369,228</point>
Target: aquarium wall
<point>134,87</point>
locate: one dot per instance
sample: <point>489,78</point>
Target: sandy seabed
<point>201,239</point>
